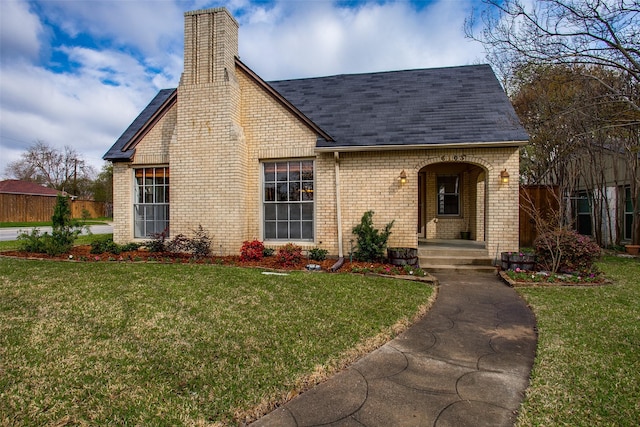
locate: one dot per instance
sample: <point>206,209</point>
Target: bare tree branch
<point>586,32</point>
<point>62,170</point>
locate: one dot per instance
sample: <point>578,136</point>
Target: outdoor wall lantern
<point>403,177</point>
<point>504,177</point>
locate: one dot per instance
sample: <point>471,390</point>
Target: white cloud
<point>149,27</point>
<point>19,31</point>
<point>124,51</point>
<point>321,39</point>
<point>65,109</point>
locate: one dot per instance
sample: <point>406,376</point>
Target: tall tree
<point>605,33</point>
<point>102,187</point>
<point>63,170</point>
<point>597,39</point>
<point>581,136</point>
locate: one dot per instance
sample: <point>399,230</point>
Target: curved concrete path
<point>466,363</point>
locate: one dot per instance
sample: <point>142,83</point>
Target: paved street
<point>12,233</point>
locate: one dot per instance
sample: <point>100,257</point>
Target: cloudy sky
<point>77,72</point>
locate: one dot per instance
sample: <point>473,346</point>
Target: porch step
<point>432,268</point>
<point>455,260</point>
<point>441,256</point>
<point>453,253</point>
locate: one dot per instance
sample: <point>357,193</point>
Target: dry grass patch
<point>151,344</point>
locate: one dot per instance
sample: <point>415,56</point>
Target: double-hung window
<point>151,201</point>
<point>288,202</point>
<point>628,213</point>
<point>583,213</point>
<point>448,187</point>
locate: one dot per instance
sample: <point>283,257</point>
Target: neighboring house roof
<point>386,110</point>
<point>14,186</point>
<point>124,147</point>
<point>402,109</point>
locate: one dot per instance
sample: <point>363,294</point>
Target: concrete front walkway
<point>466,363</point>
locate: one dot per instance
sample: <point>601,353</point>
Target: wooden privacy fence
<point>540,199</point>
<point>27,208</point>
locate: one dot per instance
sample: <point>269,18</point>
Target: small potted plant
<point>632,249</point>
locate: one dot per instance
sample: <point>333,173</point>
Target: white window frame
<point>627,214</point>
<point>151,185</point>
<point>440,195</point>
<point>288,202</point>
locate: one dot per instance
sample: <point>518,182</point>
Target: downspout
<point>338,264</point>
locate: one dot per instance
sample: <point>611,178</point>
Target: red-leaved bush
<point>289,255</point>
<point>566,250</point>
<point>252,251</point>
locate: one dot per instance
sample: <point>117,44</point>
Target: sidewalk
<point>11,233</point>
<point>466,363</point>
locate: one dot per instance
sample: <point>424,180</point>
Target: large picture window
<point>151,201</point>
<point>288,200</point>
<point>448,187</point>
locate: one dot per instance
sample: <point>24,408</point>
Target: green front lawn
<point>587,370</point>
<point>178,344</point>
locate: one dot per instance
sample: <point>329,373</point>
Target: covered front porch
<point>451,201</point>
<point>467,209</point>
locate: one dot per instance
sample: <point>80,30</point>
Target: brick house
<point>301,160</point>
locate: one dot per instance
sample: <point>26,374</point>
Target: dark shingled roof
<point>433,107</point>
<point>436,106</point>
<point>115,153</point>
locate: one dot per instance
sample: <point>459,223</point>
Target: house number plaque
<point>454,158</point>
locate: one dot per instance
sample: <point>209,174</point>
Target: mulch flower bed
<point>83,254</point>
<point>523,278</point>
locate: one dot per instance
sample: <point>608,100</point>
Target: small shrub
<point>65,229</point>
<point>31,242</point>
<point>86,214</point>
<point>131,247</point>
<point>318,254</point>
<point>268,252</point>
<point>566,250</point>
<point>157,242</point>
<point>412,270</point>
<point>105,244</point>
<point>289,255</point>
<point>201,243</point>
<point>180,243</point>
<point>371,242</point>
<point>252,251</point>
<point>64,233</point>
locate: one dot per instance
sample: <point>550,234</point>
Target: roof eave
<point>356,148</point>
<point>166,105</point>
<point>29,194</point>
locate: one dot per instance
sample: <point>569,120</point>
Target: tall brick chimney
<point>210,45</point>
<point>208,157</point>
